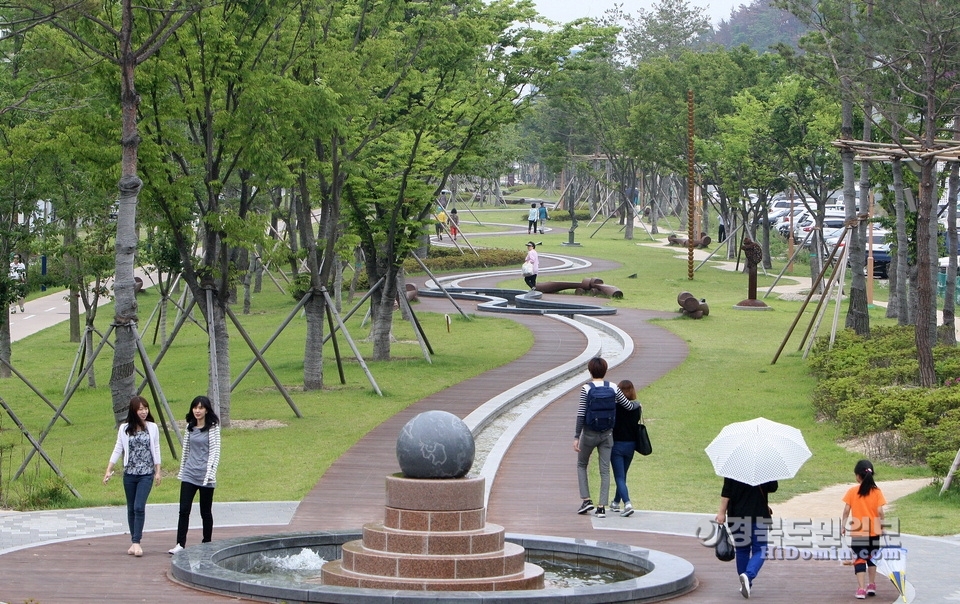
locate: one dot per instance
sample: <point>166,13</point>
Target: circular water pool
<point>230,567</point>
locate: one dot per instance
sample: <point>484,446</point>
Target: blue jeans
<point>137,488</point>
<point>751,549</point>
<point>620,458</point>
<point>602,442</point>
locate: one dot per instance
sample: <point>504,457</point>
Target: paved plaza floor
<point>79,555</point>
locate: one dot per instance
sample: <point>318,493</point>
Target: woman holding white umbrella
<point>746,511</point>
<point>752,456</point>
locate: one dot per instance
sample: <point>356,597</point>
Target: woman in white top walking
<point>533,259</point>
<point>139,441</point>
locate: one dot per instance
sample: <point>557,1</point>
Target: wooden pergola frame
<point>943,150</point>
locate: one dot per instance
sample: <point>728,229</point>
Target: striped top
<point>622,400</point>
<point>208,467</point>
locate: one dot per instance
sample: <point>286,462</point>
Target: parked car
<point>830,221</point>
<point>880,250</point>
<point>881,254</point>
<point>784,223</point>
<point>775,215</point>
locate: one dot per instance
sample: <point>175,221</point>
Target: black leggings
<point>863,550</point>
<point>187,491</point>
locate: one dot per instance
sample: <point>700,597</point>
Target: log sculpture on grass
<point>691,307</point>
<point>700,242</point>
<point>588,286</point>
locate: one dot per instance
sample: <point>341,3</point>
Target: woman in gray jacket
<point>198,468</point>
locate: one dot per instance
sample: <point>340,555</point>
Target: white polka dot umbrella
<point>758,451</point>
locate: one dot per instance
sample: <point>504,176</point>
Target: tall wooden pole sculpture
<point>690,186</point>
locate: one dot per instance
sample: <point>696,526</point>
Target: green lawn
<point>334,418</point>
<point>727,377</point>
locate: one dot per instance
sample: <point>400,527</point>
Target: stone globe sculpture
<point>435,444</point>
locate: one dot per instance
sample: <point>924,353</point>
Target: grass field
<point>727,377</point>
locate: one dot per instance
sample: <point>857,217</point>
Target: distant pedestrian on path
<point>453,223</point>
<point>542,216</point>
<point>624,444</point>
<point>596,416</point>
<point>531,266</point>
<point>441,221</point>
<point>532,216</point>
<point>862,519</point>
<point>198,468</point>
<point>746,511</point>
<point>138,439</point>
<point>18,278</point>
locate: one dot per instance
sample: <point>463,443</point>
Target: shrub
<point>868,386</point>
<point>440,259</point>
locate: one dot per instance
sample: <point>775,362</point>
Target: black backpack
<point>601,411</point>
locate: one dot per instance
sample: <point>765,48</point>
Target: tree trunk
<point>926,327</point>
<point>901,268</point>
<point>313,350</point>
<point>222,360</point>
<point>162,318</point>
<point>4,337</point>
<point>72,266</point>
<point>122,376</point>
<point>258,271</point>
<point>381,310</point>
<point>316,305</point>
<point>948,331</point>
<point>381,327</point>
<point>858,317</point>
<point>89,343</point>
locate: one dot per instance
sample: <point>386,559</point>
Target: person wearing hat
<point>534,261</point>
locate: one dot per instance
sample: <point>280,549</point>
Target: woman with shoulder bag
<point>745,509</point>
<point>624,443</point>
<point>533,261</point>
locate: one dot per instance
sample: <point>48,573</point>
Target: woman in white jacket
<point>138,439</point>
<point>198,468</point>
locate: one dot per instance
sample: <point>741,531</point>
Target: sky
<point>568,10</point>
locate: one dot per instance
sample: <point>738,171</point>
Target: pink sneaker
<point>861,594</point>
<point>872,589</point>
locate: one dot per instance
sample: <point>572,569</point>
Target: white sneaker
<point>627,510</point>
<point>21,309</point>
<point>14,310</point>
<point>176,548</point>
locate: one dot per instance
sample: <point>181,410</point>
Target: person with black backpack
<point>596,416</point>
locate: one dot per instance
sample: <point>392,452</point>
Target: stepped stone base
<point>530,578</point>
<point>433,537</point>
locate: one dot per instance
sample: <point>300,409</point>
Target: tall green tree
<point>218,102</point>
<point>108,33</point>
<point>899,59</point>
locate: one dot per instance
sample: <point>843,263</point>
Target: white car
<point>784,223</point>
<point>803,228</point>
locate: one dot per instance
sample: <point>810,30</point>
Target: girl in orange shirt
<point>865,504</point>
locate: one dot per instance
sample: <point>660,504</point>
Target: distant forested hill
<point>759,26</point>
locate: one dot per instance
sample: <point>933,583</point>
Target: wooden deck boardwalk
<point>535,491</point>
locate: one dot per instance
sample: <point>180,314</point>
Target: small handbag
<point>724,548</point>
<point>643,445</point>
